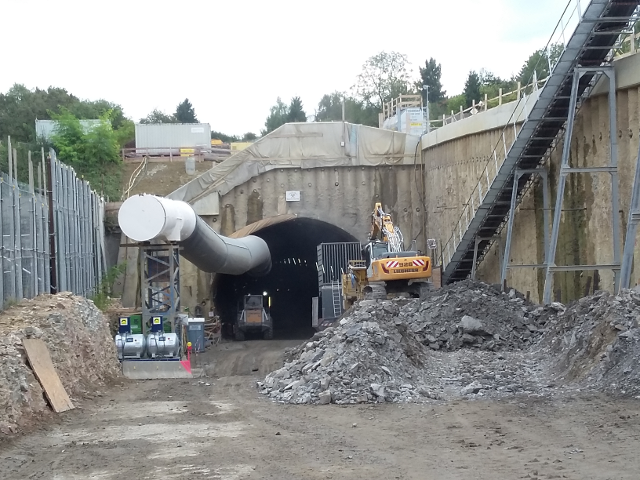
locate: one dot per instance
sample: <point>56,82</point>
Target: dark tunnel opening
<point>292,282</point>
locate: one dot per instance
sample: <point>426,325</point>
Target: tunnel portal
<point>293,279</point>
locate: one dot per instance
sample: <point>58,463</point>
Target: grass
<point>102,298</point>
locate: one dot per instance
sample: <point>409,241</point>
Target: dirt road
<point>218,427</point>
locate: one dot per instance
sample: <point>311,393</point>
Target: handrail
<point>471,207</point>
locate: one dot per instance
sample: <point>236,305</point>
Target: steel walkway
<point>541,117</point>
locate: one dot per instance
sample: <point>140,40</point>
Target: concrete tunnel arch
<point>293,279</point>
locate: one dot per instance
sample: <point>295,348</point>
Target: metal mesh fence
<point>26,263</point>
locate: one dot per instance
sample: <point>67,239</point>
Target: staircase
<point>536,123</point>
<point>336,296</point>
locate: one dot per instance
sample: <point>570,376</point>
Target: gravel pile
<point>79,342</point>
<point>407,350</point>
<point>595,343</point>
<point>465,340</point>
<point>474,314</point>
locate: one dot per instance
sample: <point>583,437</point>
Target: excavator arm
<point>382,229</point>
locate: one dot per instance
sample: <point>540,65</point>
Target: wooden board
<point>436,277</point>
<point>42,366</point>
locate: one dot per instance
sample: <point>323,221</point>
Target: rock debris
<point>466,340</point>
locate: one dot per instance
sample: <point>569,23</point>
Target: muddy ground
<point>219,427</point>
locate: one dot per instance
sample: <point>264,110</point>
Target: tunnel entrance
<point>292,282</point>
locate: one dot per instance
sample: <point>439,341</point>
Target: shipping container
<point>169,138</point>
<point>333,260</point>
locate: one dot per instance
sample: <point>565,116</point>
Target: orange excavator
<point>387,268</point>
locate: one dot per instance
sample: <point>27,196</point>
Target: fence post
<point>15,165</point>
<point>17,235</point>
<point>1,242</point>
<point>52,229</point>
<point>500,96</point>
<point>34,232</point>
<point>519,87</point>
<point>485,101</point>
<point>10,159</point>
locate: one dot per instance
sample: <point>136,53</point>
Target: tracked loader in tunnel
<point>254,317</point>
<point>387,268</point>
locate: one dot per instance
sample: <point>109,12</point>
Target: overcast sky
<point>232,59</point>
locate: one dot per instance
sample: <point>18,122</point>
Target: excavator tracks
<point>375,291</point>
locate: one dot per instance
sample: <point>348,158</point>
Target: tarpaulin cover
<point>304,145</point>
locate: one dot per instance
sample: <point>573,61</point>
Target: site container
<point>196,334</point>
<point>170,138</point>
<point>333,259</point>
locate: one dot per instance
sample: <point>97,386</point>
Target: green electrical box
<point>136,323</point>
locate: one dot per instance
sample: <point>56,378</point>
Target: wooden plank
<point>436,277</point>
<point>42,366</point>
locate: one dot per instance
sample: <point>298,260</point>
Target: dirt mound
<point>595,343</point>
<point>370,355</point>
<point>412,350</point>
<point>474,314</point>
<point>82,350</point>
<point>468,339</point>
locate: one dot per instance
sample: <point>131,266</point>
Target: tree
<point>296,112</point>
<point>491,84</point>
<point>249,137</point>
<point>185,113</point>
<point>20,107</point>
<point>278,116</point>
<point>93,152</point>
<point>454,103</point>
<point>157,116</point>
<point>330,110</point>
<point>538,62</point>
<point>431,76</point>
<point>384,76</point>
<point>223,137</point>
<point>472,88</point>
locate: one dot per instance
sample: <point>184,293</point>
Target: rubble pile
<point>474,314</point>
<point>370,355</point>
<point>407,350</point>
<point>595,343</point>
<point>79,342</point>
<point>465,340</point>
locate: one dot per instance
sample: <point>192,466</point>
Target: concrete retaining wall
<point>454,165</point>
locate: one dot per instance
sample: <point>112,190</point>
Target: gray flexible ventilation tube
<point>147,217</point>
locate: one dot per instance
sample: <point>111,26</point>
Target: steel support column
<point>565,170</point>
<point>478,240</point>
<point>632,227</point>
<point>160,272</point>
<point>512,213</point>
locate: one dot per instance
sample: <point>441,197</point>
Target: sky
<point>232,59</point>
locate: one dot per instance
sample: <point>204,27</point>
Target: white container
<point>166,138</point>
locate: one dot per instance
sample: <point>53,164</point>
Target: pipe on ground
<point>144,218</point>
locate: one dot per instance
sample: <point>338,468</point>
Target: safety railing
<point>561,35</point>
